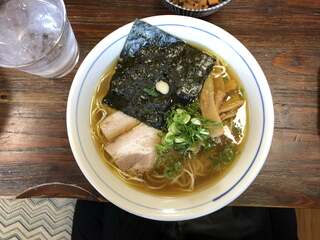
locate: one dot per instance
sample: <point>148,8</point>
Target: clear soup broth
<point>207,166</point>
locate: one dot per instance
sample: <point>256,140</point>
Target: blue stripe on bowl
<point>201,204</point>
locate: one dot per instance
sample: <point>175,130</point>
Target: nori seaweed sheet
<point>148,56</point>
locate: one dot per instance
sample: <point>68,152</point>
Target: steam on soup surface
<point>168,117</point>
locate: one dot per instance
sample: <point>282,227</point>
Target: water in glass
<point>36,37</point>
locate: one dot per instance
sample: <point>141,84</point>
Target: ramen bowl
<point>182,206</point>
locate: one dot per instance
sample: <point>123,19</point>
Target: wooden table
<point>284,36</point>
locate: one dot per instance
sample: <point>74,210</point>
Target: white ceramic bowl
<point>247,167</point>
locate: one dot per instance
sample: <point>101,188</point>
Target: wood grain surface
<point>308,222</point>
<point>283,35</point>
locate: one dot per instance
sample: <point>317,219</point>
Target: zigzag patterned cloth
<point>36,219</point>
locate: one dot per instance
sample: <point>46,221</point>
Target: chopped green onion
<point>187,132</point>
<point>169,138</point>
<point>204,132</point>
<point>179,140</point>
<point>196,121</point>
<point>151,92</point>
<point>173,170</point>
<point>173,128</point>
<point>225,156</point>
<point>181,116</point>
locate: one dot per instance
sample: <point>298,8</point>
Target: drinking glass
<point>36,37</point>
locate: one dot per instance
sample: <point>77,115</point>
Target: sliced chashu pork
<point>116,124</point>
<point>134,151</point>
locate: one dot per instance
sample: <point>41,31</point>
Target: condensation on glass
<point>36,37</point>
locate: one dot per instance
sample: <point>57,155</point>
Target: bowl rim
<point>214,7</point>
<point>232,193</point>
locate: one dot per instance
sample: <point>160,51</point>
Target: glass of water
<point>36,37</point>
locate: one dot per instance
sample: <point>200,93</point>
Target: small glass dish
<point>194,12</point>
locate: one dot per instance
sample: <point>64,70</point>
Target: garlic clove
<point>162,87</point>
